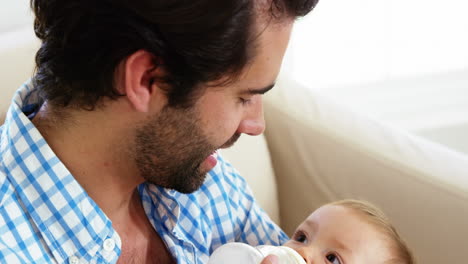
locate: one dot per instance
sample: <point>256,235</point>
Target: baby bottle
<point>235,253</point>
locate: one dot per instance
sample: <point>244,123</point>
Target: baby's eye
<point>300,237</point>
<point>332,258</point>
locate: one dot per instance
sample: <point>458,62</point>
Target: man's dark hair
<point>193,41</point>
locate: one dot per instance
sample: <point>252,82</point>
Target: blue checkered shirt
<point>47,217</point>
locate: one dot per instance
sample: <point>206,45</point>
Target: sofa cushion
<point>322,152</point>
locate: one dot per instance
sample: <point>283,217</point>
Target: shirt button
<point>73,260</point>
<point>109,244</point>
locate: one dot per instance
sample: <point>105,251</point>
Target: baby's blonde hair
<point>377,218</point>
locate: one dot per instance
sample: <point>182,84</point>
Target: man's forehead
<point>265,66</point>
<point>260,74</point>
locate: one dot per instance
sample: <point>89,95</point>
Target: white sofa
<point>315,151</point>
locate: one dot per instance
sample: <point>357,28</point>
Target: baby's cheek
<point>289,243</point>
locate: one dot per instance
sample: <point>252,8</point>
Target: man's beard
<point>170,148</point>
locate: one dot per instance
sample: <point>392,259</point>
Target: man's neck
<point>93,148</point>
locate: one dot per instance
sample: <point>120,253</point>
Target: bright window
<point>349,42</point>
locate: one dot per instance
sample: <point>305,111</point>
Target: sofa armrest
<point>322,152</point>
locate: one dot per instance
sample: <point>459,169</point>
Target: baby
<point>349,232</point>
<point>343,232</point>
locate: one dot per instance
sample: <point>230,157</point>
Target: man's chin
<point>185,183</point>
<point>189,187</point>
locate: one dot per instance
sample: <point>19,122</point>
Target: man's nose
<point>254,122</point>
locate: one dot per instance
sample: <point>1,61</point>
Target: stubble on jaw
<point>169,149</point>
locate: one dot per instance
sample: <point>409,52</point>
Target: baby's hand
<point>270,259</point>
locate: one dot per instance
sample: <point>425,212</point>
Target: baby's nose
<point>307,254</point>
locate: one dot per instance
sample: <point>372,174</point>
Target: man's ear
<point>139,71</point>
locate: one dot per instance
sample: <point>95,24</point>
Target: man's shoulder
<point>8,198</point>
<point>6,189</point>
<point>11,220</point>
<point>11,254</point>
<point>19,242</point>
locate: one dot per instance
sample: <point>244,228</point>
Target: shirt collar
<point>64,214</point>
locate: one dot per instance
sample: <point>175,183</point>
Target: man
<point>108,155</point>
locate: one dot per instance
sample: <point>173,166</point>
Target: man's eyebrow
<point>264,90</point>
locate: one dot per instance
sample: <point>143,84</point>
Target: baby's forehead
<point>333,211</point>
<point>328,211</point>
<point>334,219</point>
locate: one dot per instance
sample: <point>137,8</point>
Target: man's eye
<point>300,237</point>
<point>332,258</point>
<point>244,101</point>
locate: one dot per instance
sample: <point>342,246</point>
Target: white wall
<point>355,41</point>
<point>14,14</point>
